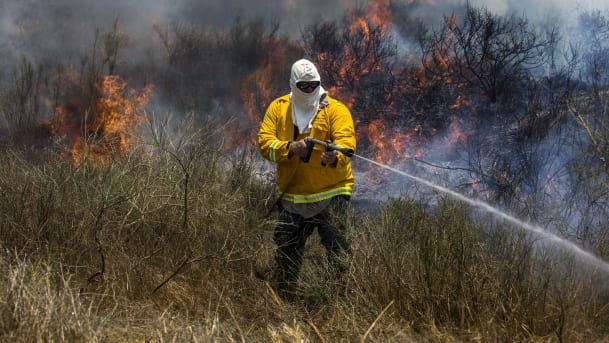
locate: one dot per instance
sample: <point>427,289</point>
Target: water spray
<point>594,260</point>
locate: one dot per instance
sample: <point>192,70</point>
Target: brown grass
<point>163,245</point>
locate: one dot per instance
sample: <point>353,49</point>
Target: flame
<point>255,93</point>
<point>380,13</point>
<point>476,191</point>
<point>475,184</point>
<point>461,124</point>
<point>438,58</point>
<point>392,145</point>
<point>115,117</point>
<point>455,134</point>
<point>352,63</point>
<point>458,102</point>
<point>385,138</point>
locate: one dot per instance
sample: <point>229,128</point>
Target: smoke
<point>563,14</point>
<point>539,9</point>
<point>533,10</point>
<point>293,16</point>
<point>63,29</point>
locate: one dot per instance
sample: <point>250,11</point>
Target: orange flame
<point>389,141</point>
<point>392,145</point>
<point>116,115</point>
<point>255,94</point>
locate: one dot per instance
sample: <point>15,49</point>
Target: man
<point>312,192</point>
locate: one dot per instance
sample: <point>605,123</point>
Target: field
<point>164,245</point>
<point>135,206</point>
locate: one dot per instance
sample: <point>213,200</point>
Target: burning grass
<point>130,251</point>
<point>108,129</point>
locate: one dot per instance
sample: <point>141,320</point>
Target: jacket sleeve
<point>343,132</point>
<point>271,147</point>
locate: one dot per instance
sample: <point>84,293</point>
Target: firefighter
<point>312,193</point>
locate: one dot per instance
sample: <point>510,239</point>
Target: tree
<point>595,44</point>
<point>354,56</point>
<point>490,51</point>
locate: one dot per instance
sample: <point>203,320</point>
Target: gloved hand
<point>298,148</point>
<point>329,157</point>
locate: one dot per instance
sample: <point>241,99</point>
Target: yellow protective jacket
<point>301,182</point>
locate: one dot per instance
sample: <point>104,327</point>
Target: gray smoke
<point>64,29</point>
<point>540,8</point>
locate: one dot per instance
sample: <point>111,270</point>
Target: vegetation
<point>120,222</point>
<point>128,251</point>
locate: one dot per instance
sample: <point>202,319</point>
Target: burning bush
<point>106,130</point>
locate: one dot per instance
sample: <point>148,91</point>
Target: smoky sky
<point>37,28</point>
<point>540,8</point>
<point>65,29</point>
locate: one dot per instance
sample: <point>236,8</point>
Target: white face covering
<point>304,105</point>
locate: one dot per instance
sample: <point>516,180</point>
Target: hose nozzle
<point>329,146</point>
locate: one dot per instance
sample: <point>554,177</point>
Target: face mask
<point>304,105</point>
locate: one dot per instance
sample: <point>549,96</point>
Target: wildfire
<point>390,134</point>
<point>255,94</point>
<point>107,129</point>
<point>477,192</point>
<point>392,145</point>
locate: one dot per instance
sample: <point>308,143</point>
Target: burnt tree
<point>356,61</point>
<point>588,107</point>
<point>355,57</point>
<point>490,51</point>
<point>595,57</point>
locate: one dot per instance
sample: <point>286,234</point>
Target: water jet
<point>585,255</point>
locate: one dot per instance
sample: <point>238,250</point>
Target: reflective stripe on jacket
<point>308,182</point>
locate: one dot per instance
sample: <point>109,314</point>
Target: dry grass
<point>162,246</point>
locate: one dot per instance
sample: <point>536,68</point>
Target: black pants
<point>293,230</point>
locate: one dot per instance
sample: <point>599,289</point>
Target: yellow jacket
<point>309,182</point>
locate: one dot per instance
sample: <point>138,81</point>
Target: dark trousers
<point>293,230</point>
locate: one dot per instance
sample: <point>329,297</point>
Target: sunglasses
<point>303,85</point>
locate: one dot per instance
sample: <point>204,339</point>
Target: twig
<point>273,293</point>
<point>156,251</point>
<point>445,167</point>
<point>274,204</point>
<point>186,262</point>
<point>580,119</point>
<point>312,325</point>
<point>377,319</point>
<point>100,248</point>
